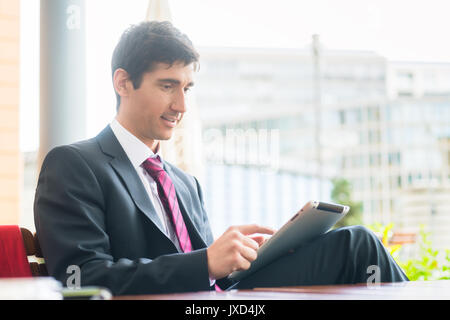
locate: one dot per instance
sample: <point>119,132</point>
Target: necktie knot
<point>153,166</point>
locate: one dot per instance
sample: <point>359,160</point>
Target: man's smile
<point>170,121</point>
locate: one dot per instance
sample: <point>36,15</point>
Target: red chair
<point>16,244</point>
<point>32,247</point>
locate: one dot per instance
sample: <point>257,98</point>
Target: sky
<point>400,30</point>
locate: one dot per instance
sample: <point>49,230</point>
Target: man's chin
<point>165,137</point>
<point>164,134</point>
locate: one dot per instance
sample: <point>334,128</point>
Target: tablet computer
<point>312,220</point>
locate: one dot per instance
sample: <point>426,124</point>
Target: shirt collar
<point>135,149</point>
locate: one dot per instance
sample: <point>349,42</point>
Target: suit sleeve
<point>70,218</point>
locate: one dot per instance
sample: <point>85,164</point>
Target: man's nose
<point>179,103</point>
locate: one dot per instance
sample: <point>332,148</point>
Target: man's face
<point>152,111</point>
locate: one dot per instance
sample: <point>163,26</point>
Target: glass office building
<point>384,126</point>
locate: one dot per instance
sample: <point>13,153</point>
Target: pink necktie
<point>167,194</point>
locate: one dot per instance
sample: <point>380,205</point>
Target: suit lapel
<point>123,167</point>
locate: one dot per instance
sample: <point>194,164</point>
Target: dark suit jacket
<point>91,210</point>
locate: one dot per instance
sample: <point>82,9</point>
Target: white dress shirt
<point>138,152</point>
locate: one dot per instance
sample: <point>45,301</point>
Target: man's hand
<point>235,249</point>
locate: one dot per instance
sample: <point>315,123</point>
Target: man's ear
<point>121,82</point>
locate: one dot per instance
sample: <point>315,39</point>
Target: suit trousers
<point>342,256</point>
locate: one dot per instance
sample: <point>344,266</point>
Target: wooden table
<point>413,290</point>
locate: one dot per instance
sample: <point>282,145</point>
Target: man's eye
<point>167,86</point>
<point>187,89</point>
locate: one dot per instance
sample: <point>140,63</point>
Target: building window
<point>373,114</point>
<point>405,81</point>
<point>342,117</point>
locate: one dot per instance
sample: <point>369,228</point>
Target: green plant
<point>341,193</point>
<point>429,263</point>
<point>446,266</point>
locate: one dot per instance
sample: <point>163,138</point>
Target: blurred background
<point>344,101</point>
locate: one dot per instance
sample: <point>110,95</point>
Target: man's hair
<point>144,45</point>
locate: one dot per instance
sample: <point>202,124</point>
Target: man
<point>136,224</point>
